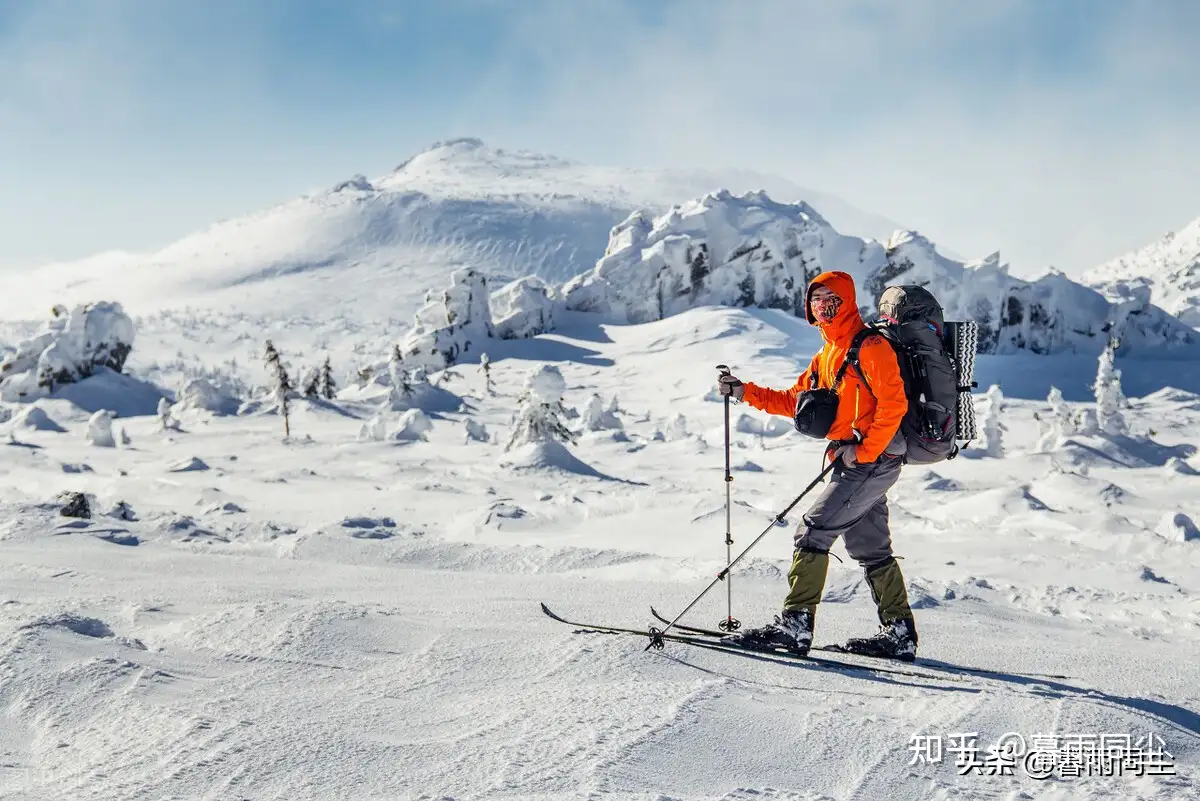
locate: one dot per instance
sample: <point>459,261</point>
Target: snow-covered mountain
<point>1170,268</point>
<point>749,250</point>
<point>372,247</point>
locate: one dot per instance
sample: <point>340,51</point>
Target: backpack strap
<point>852,358</point>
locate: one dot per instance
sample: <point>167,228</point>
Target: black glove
<point>730,386</point>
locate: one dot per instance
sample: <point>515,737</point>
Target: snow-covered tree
<point>485,366</point>
<point>598,417</point>
<point>123,437</point>
<point>1109,397</point>
<point>414,426</point>
<point>1058,424</point>
<point>402,390</point>
<point>540,414</point>
<point>99,430</point>
<point>309,385</point>
<point>1086,422</point>
<point>326,386</point>
<point>281,385</point>
<point>993,426</point>
<point>446,376</point>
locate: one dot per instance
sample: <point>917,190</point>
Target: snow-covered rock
<point>453,323</point>
<point>523,308</point>
<point>1169,269</point>
<point>1177,527</point>
<point>718,250</point>
<point>73,345</point>
<point>752,251</point>
<point>414,426</point>
<point>1051,314</point>
<point>193,464</point>
<point>100,431</point>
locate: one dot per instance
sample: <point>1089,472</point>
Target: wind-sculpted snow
<point>751,251</point>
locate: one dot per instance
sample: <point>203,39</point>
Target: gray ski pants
<point>853,506</point>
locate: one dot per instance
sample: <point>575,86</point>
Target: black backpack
<point>937,364</point>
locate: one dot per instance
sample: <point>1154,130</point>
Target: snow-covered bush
<point>993,425</point>
<point>452,324</point>
<point>414,425</point>
<point>400,396</point>
<point>476,431</point>
<point>598,417</point>
<point>523,308</point>
<point>1109,397</point>
<point>540,413</point>
<point>73,345</point>
<point>413,390</point>
<point>166,420</point>
<point>203,395</point>
<point>374,430</point>
<point>99,430</point>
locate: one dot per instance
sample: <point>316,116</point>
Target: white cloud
<point>963,124</point>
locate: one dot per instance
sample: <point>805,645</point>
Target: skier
<point>866,446</point>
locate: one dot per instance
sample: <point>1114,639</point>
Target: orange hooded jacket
<point>874,411</point>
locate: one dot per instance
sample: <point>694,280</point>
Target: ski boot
<point>897,639</point>
<point>793,630</point>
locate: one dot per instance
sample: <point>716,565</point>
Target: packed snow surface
<point>244,615</point>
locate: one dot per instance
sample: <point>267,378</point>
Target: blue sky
<point>1058,132</point>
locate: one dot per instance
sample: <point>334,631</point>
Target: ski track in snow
<point>331,619</point>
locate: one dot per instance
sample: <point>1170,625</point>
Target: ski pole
<point>728,624</point>
<point>656,640</point>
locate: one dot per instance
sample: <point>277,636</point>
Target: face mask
<point>825,309</point>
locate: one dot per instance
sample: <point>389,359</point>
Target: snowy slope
<point>1170,267</point>
<point>324,618</point>
<point>372,247</point>
<point>750,250</point>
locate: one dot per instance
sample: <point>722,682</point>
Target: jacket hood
<point>841,284</point>
<point>848,321</point>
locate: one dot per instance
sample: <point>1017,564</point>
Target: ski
<point>837,649</point>
<point>702,642</point>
